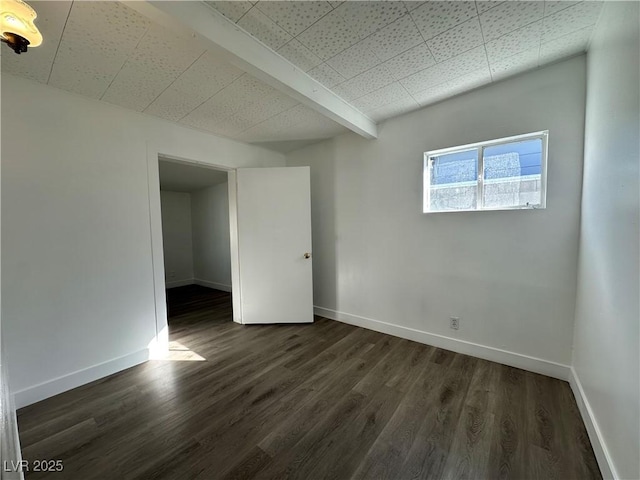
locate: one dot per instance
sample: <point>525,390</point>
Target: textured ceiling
<point>390,57</point>
<point>383,57</point>
<point>181,177</point>
<point>107,51</point>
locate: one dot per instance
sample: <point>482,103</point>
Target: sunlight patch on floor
<point>180,353</point>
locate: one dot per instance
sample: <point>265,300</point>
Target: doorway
<point>269,218</point>
<point>194,201</point>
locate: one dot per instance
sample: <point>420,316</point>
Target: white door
<point>274,245</point>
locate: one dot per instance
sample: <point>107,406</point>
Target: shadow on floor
<point>193,304</point>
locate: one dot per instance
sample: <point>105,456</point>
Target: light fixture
<point>16,25</point>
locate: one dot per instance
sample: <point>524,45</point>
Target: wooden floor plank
<point>469,454</point>
<point>430,450</point>
<point>321,400</point>
<point>388,454</point>
<point>508,456</point>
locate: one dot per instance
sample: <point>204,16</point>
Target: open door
<point>273,237</point>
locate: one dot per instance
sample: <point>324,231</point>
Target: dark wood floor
<point>326,400</point>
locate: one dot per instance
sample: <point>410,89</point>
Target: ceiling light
<point>16,25</point>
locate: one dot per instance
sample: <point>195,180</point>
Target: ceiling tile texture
<point>378,53</point>
<point>384,57</point>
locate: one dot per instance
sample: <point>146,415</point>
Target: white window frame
<point>480,146</point>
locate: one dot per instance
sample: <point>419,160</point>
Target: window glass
<point>512,174</point>
<point>453,181</point>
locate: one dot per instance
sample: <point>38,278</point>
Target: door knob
<point>307,255</point>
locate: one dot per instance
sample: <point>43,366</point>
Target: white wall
<point>606,344</point>
<point>77,274</point>
<point>509,275</point>
<point>176,238</point>
<point>9,439</point>
<point>211,241</point>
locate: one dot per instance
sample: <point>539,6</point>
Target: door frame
<point>160,345</point>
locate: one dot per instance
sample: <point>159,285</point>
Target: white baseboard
<point>61,384</point>
<point>597,441</point>
<point>217,286</point>
<point>179,283</point>
<point>525,362</point>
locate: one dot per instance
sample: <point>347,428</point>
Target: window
<point>504,174</point>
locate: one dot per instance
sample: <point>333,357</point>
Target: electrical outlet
<point>454,322</point>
